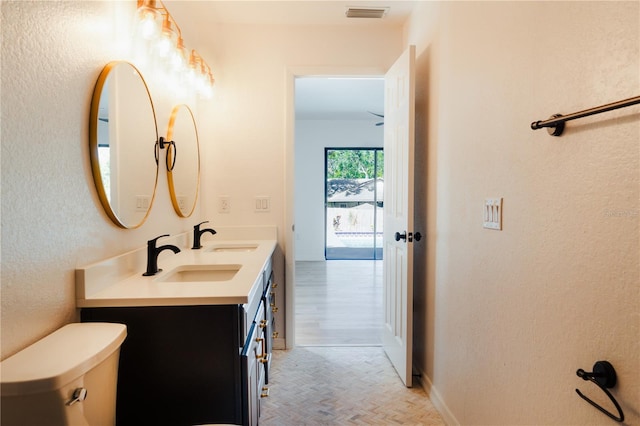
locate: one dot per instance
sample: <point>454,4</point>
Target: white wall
<point>311,139</point>
<point>245,123</point>
<point>52,219</point>
<point>505,318</point>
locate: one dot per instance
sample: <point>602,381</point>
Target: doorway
<point>336,302</point>
<point>354,184</point>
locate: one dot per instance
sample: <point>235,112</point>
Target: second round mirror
<point>183,160</point>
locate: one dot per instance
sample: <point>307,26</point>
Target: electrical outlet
<point>492,214</point>
<point>224,205</point>
<point>182,202</point>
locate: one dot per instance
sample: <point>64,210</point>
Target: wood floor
<point>338,302</point>
<point>338,374</point>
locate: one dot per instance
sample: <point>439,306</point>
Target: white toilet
<point>67,378</point>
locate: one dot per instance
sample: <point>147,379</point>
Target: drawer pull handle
<point>263,323</point>
<point>265,392</point>
<point>275,334</point>
<point>264,349</point>
<point>264,359</point>
<point>274,309</point>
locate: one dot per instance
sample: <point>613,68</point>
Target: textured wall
<point>506,318</point>
<point>52,220</point>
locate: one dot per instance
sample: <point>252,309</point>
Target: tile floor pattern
<point>324,385</point>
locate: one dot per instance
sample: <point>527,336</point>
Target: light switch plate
<point>492,213</point>
<point>263,204</point>
<point>142,203</point>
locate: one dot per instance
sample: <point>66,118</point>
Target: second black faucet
<point>197,233</point>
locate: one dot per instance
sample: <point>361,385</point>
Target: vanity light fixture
<point>157,26</point>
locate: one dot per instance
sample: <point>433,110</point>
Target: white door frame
<point>289,175</point>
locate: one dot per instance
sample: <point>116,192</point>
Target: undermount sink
<point>201,273</point>
<point>233,247</point>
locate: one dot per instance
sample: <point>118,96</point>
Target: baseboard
<point>279,343</point>
<point>436,399</point>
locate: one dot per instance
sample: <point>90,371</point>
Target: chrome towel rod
<point>556,122</point>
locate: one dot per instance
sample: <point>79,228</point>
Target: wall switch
<point>492,213</point>
<point>142,203</point>
<point>224,205</point>
<point>263,204</point>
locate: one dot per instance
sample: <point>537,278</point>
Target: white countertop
<point>115,282</point>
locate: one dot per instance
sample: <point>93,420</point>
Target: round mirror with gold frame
<point>122,138</point>
<point>183,160</point>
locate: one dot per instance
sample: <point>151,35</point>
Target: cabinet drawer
<point>269,326</point>
<point>267,275</point>
<point>253,372</point>
<point>249,312</point>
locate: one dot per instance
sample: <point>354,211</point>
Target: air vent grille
<point>366,12</point>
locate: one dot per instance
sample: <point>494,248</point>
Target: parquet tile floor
<point>334,376</point>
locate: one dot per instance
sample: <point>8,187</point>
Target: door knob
<point>400,236</point>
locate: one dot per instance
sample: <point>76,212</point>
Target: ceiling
<point>339,98</point>
<point>287,12</point>
<point>316,98</point>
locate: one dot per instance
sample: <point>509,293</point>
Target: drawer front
<point>249,312</point>
<point>253,373</point>
<point>267,274</point>
<point>269,327</point>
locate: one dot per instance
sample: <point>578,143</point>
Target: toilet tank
<point>38,383</point>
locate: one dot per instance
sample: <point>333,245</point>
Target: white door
<point>399,111</point>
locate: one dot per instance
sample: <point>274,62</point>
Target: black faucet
<point>197,233</point>
<point>153,252</point>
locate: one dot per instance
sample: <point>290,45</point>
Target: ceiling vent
<point>366,12</point>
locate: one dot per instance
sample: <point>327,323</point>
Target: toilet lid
<point>59,358</point>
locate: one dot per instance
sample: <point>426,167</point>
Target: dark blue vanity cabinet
<point>189,365</point>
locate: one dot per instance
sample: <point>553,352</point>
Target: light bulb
<point>207,92</point>
<point>192,73</point>
<point>147,22</point>
<point>168,38</point>
<point>178,58</point>
<point>164,46</point>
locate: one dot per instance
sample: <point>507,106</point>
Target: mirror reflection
<point>183,160</point>
<point>122,137</point>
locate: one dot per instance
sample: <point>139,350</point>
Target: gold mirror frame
<point>137,204</point>
<point>183,160</point>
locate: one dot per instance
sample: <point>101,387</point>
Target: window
<point>353,203</point>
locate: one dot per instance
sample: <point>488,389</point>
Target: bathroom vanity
<point>199,342</point>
